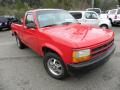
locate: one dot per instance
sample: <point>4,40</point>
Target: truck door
<point>91,18</point>
<point>30,31</point>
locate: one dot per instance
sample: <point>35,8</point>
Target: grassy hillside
<point>18,7</point>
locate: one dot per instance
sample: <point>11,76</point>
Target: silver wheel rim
<point>18,42</point>
<point>55,66</point>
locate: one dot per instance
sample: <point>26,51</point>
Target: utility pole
<point>93,2</point>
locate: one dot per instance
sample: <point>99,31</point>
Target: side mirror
<point>31,25</point>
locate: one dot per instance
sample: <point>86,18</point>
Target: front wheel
<point>54,66</point>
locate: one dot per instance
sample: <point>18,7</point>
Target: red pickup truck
<point>63,43</point>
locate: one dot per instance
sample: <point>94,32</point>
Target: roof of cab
<point>34,10</point>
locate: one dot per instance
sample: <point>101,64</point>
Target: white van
<point>91,18</point>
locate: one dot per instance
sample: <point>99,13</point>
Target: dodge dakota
<point>63,43</point>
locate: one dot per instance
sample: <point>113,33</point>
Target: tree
<point>97,3</point>
<point>65,4</point>
<point>119,2</point>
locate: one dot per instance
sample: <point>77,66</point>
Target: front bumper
<point>101,59</point>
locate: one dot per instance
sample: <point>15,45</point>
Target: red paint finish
<point>62,39</point>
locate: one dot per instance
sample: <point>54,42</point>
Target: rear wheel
<point>20,44</point>
<point>54,66</point>
<point>104,26</point>
<point>0,29</point>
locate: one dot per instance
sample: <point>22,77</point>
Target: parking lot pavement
<point>23,70</point>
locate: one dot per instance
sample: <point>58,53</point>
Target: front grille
<point>95,52</point>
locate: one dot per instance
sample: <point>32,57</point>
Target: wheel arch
<point>105,25</point>
<point>51,48</point>
<point>46,49</point>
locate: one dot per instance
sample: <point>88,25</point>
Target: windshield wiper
<point>50,25</point>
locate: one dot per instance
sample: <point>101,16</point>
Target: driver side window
<point>90,15</point>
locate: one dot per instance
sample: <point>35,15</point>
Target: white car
<point>114,16</point>
<point>91,18</point>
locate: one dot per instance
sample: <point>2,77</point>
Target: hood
<point>77,36</point>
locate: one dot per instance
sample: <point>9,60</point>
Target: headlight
<point>81,56</point>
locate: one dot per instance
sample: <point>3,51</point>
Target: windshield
<point>98,11</point>
<point>48,18</point>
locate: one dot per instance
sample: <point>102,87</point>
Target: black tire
<point>111,22</point>
<point>104,26</point>
<point>20,44</point>
<point>47,58</point>
<point>0,29</point>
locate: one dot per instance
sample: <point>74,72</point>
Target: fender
<point>105,21</point>
<point>54,48</point>
<point>15,32</point>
